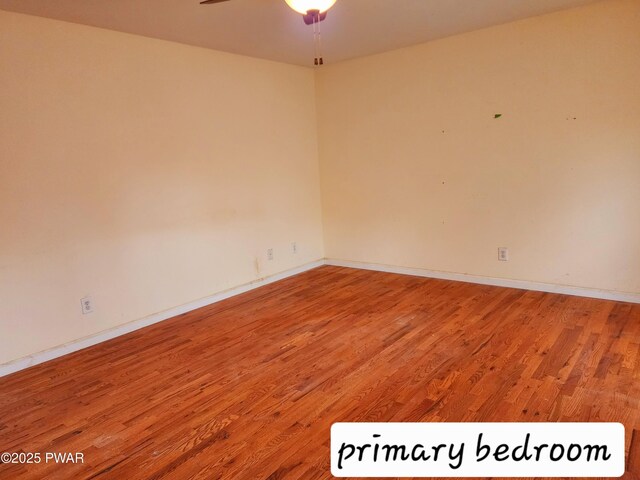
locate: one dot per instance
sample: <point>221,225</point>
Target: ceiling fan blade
<point>212,1</point>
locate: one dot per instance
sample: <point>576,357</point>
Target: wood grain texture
<point>248,388</point>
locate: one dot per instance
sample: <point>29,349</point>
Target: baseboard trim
<point>498,282</point>
<point>74,346</point>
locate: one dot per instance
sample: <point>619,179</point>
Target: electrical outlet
<point>270,254</point>
<point>503,254</point>
<point>294,248</point>
<point>87,305</point>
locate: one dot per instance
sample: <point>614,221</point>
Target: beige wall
<point>416,172</point>
<point>144,173</point>
<point>149,174</point>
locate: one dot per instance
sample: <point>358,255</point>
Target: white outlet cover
<point>87,305</point>
<point>503,254</point>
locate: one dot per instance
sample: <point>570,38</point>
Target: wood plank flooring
<point>249,387</point>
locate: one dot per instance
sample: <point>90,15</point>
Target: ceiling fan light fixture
<point>305,6</point>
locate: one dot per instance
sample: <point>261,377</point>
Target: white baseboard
<point>37,358</point>
<point>74,346</point>
<point>498,282</point>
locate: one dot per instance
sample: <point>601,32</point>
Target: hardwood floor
<point>249,387</point>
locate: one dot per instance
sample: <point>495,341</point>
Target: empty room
<point>313,239</point>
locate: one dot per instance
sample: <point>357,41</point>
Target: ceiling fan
<point>313,12</point>
<point>310,9</point>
